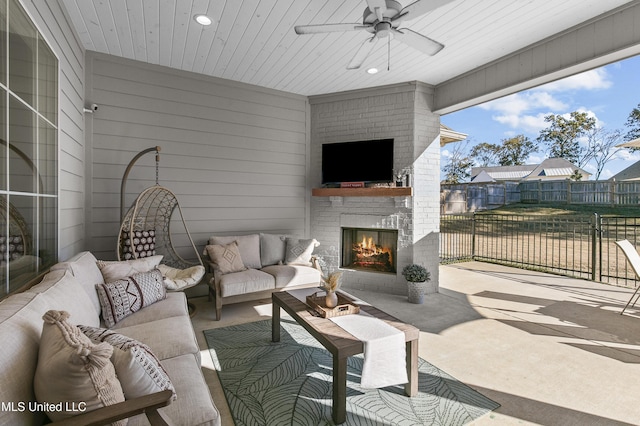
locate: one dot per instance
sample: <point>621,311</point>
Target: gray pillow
<point>299,251</point>
<point>272,249</point>
<point>248,245</point>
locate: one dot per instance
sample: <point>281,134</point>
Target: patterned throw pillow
<point>138,244</point>
<point>226,258</point>
<point>138,369</point>
<point>123,297</point>
<point>73,369</point>
<point>299,251</point>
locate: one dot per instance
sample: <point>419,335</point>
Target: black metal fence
<point>574,246</point>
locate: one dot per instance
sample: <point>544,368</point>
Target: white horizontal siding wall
<point>235,155</point>
<point>52,22</point>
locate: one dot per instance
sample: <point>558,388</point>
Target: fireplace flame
<point>367,251</point>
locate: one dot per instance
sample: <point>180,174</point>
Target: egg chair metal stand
<point>145,230</point>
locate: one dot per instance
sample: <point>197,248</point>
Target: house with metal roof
<point>549,169</point>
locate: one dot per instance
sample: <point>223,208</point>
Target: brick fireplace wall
<point>401,112</point>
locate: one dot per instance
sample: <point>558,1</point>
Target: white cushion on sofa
<point>20,328</point>
<point>83,266</point>
<point>57,286</point>
<point>293,275</point>
<point>248,281</point>
<point>248,245</point>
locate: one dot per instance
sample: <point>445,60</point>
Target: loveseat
<point>251,267</point>
<point>67,297</point>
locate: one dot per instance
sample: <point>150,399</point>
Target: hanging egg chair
<point>146,231</point>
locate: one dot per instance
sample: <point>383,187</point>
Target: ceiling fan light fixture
<point>203,20</point>
<point>372,71</point>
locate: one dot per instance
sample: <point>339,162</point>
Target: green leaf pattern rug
<point>290,383</point>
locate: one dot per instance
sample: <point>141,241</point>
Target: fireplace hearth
<point>371,250</point>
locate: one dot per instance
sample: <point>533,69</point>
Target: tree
<point>458,166</point>
<point>485,154</point>
<point>563,136</point>
<point>633,122</point>
<point>601,146</point>
<point>515,151</point>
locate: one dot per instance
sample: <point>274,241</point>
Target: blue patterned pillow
<point>123,297</point>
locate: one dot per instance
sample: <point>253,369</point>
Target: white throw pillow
<point>138,369</point>
<point>299,251</point>
<point>73,371</point>
<point>115,270</point>
<point>226,258</point>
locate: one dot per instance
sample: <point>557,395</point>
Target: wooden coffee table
<point>342,345</point>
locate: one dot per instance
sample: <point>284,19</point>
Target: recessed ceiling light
<point>203,20</point>
<point>372,70</point>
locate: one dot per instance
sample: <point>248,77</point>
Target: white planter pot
<point>416,291</point>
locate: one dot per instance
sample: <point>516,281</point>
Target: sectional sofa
<point>159,333</point>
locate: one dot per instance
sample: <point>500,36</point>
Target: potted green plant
<point>417,277</point>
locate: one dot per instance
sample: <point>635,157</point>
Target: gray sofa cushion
<point>83,266</point>
<point>195,406</point>
<point>293,275</point>
<point>272,249</point>
<point>154,335</point>
<point>248,281</point>
<point>174,305</point>
<point>249,246</point>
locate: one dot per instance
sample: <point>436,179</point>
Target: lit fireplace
<point>369,249</point>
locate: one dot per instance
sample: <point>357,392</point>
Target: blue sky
<point>608,94</point>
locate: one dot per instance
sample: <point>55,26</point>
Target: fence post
<point>594,242</point>
<point>473,236</point>
<point>568,191</point>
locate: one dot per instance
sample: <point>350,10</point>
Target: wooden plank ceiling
<point>253,41</point>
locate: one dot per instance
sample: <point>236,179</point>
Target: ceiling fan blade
<point>378,7</point>
<point>362,53</point>
<point>328,28</point>
<point>421,7</point>
<point>417,41</point>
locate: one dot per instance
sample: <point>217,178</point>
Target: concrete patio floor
<point>550,350</point>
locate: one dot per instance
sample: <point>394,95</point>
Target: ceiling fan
<point>382,18</point>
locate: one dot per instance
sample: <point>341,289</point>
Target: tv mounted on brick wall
<point>361,161</point>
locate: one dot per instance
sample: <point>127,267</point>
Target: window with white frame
<point>28,150</point>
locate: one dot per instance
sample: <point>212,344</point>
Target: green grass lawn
<point>571,209</point>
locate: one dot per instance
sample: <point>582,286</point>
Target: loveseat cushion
<point>248,245</point>
<point>272,249</point>
<point>83,266</point>
<point>20,329</point>
<point>293,275</point>
<point>154,334</point>
<point>248,281</point>
<point>194,405</point>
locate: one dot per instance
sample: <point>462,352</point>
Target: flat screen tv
<point>362,161</point>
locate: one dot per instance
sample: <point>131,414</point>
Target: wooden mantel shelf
<point>362,192</point>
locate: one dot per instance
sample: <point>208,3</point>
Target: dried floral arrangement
<point>332,282</point>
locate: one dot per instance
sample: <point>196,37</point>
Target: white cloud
<point>519,103</point>
<point>524,123</point>
<point>589,80</point>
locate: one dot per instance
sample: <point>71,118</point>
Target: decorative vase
<point>416,291</point>
<point>331,299</point>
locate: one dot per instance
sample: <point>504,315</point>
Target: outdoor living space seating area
<point>549,349</point>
